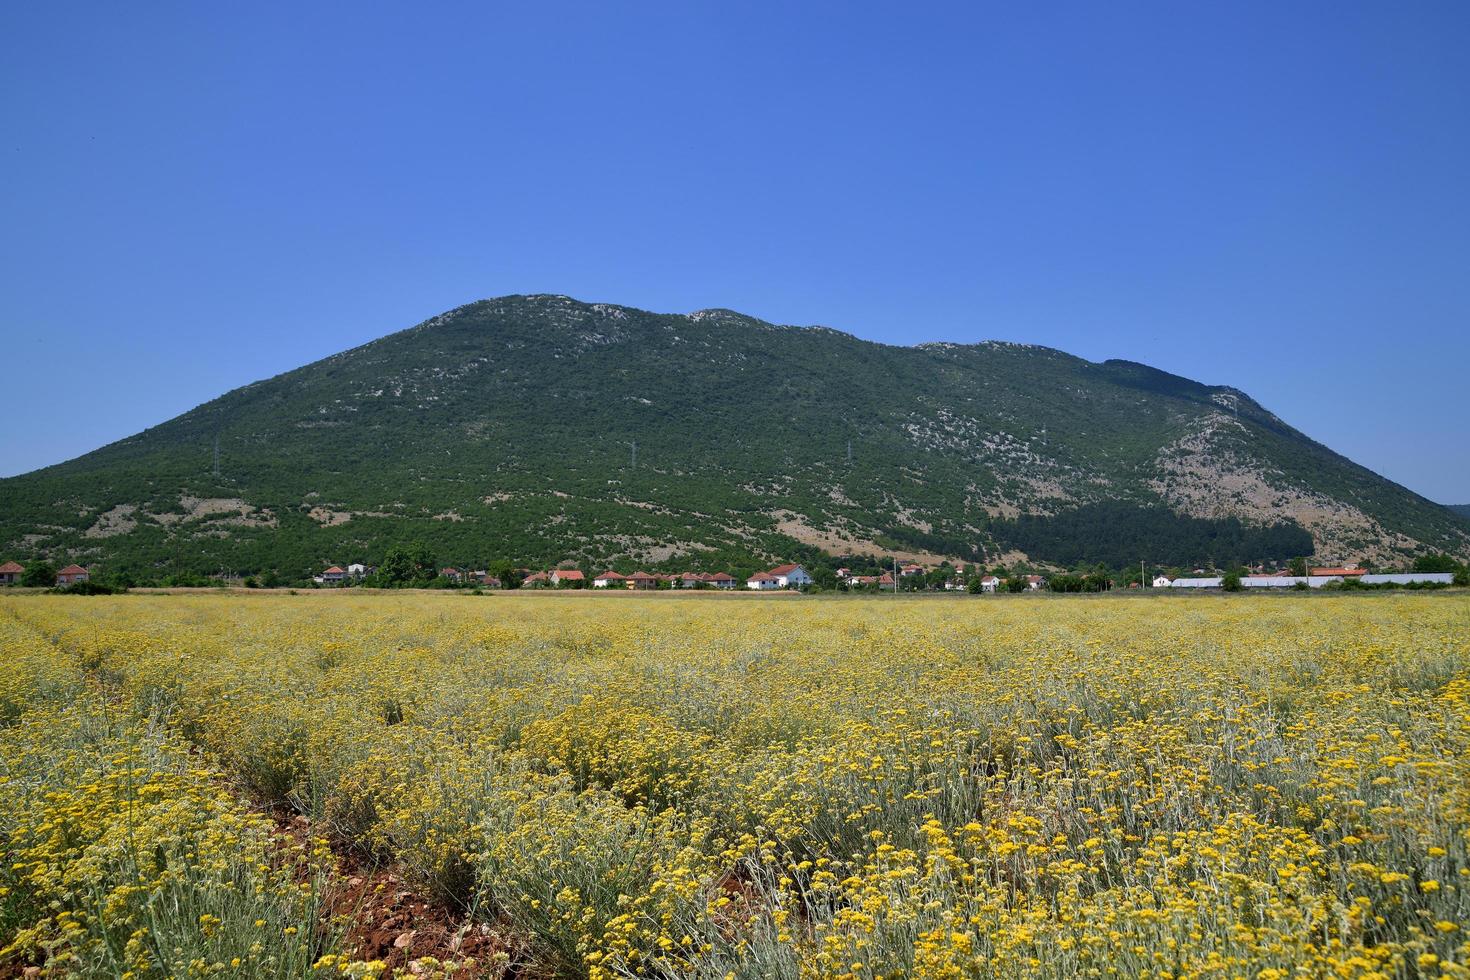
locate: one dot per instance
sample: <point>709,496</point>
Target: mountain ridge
<point>506,427</point>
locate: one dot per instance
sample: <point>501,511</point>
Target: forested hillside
<point>539,428</point>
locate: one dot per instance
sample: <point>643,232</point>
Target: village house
<point>1035,583</point>
<point>642,581</point>
<point>608,579</point>
<point>722,580</point>
<point>762,582</point>
<point>568,577</point>
<point>71,575</point>
<point>358,570</point>
<point>790,576</point>
<point>10,573</point>
<point>536,580</point>
<point>1162,581</point>
<point>689,580</point>
<point>453,574</point>
<point>333,576</point>
<point>909,571</point>
<point>989,583</point>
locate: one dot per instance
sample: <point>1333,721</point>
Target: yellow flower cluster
<point>1181,787</point>
<point>125,858</point>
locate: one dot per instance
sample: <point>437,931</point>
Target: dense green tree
<point>425,563</point>
<point>1230,581</point>
<point>505,570</point>
<point>1436,563</point>
<point>396,568</point>
<point>39,574</point>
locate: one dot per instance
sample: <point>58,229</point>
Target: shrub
<point>38,574</point>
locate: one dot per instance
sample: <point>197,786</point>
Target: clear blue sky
<point>1271,195</point>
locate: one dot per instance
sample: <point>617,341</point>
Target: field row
<point>1193,788</point>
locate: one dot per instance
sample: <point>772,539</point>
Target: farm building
<point>1410,578</point>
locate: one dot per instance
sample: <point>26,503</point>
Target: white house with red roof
<point>722,580</point>
<point>762,582</point>
<point>790,576</point>
<point>567,576</point>
<point>335,575</point>
<point>10,573</point>
<point>608,580</point>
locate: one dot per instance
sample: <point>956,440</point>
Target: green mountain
<point>1462,509</point>
<point>539,428</point>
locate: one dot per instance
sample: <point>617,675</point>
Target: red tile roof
<point>642,577</point>
<point>11,568</point>
<point>762,577</point>
<point>610,576</point>
<point>79,570</point>
<point>722,577</point>
<point>333,570</point>
<point>783,569</point>
<point>1339,571</point>
<point>570,574</point>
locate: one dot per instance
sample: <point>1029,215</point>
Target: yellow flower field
<point>623,786</point>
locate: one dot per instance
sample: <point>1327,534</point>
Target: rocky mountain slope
<point>540,428</point>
